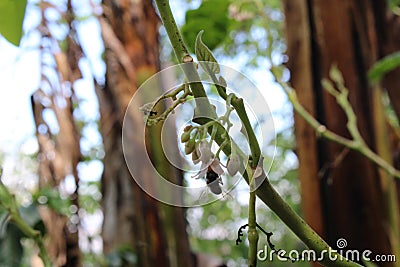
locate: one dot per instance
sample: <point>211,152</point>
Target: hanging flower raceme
<point>207,159</point>
<point>211,167</point>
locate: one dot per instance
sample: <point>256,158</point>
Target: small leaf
<point>336,75</point>
<point>204,55</point>
<point>222,81</point>
<point>12,13</point>
<point>243,131</point>
<point>383,66</point>
<point>217,28</point>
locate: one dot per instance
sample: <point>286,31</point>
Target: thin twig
<point>357,143</point>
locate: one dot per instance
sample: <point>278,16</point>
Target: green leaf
<point>12,14</point>
<point>11,250</point>
<point>393,4</point>
<point>199,18</point>
<point>204,55</point>
<point>383,66</point>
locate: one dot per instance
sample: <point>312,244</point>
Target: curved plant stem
<point>310,238</point>
<point>357,143</point>
<point>8,202</point>
<point>238,104</point>
<point>265,192</point>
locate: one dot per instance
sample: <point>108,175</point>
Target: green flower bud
<point>185,137</point>
<point>190,146</point>
<point>233,164</point>
<point>188,128</point>
<point>195,157</point>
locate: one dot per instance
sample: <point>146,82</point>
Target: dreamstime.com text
<point>312,256</point>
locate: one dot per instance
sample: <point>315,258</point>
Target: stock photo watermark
<point>174,106</point>
<point>267,254</point>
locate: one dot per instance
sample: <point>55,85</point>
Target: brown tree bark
<point>342,193</point>
<point>59,153</point>
<point>155,232</point>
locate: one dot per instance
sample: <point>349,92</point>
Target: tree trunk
<point>59,152</point>
<point>155,232</point>
<point>343,194</point>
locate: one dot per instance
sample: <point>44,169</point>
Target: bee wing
<point>215,187</point>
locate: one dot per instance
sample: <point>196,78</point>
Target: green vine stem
<point>183,56</point>
<point>238,104</point>
<point>265,192</point>
<point>310,238</point>
<point>8,202</point>
<point>252,233</point>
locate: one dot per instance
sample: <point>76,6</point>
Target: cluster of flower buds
<point>201,152</point>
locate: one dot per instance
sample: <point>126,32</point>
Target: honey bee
<point>214,184</point>
<point>213,181</point>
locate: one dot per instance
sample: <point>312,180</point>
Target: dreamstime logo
<point>153,92</point>
<point>331,254</point>
<point>341,243</point>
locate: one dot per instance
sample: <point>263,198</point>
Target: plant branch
<point>310,238</point>
<point>8,202</point>
<point>357,143</point>
<point>238,104</point>
<point>265,192</point>
<point>183,56</point>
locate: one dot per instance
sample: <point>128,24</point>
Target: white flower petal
<point>216,167</point>
<point>200,174</point>
<point>233,164</point>
<point>258,172</point>
<point>195,161</point>
<point>204,150</point>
